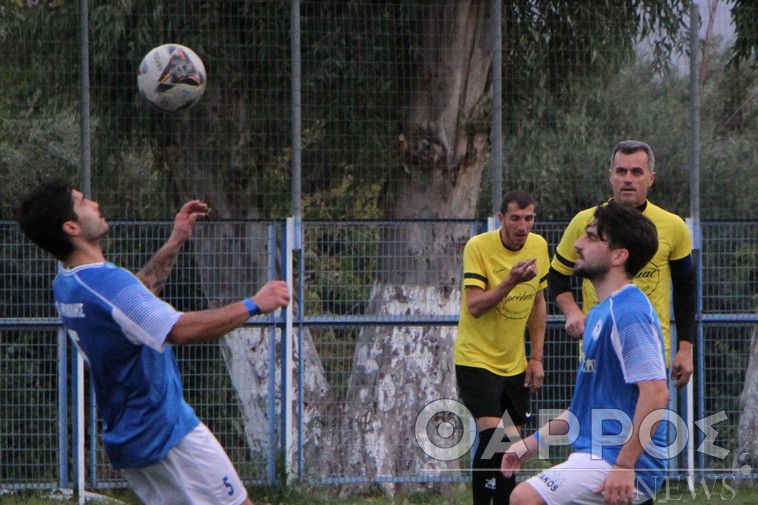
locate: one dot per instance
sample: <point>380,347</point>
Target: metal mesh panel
<point>726,353</point>
<point>29,424</point>
<point>26,272</point>
<point>730,279</point>
<point>377,86</point>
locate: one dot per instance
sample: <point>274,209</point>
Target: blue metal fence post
<point>298,246</point>
<point>287,353</point>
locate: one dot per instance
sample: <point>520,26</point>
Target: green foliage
<point>373,49</point>
<point>549,44</point>
<point>346,268</point>
<point>34,147</point>
<point>130,141</point>
<point>746,27</point>
<point>561,154</point>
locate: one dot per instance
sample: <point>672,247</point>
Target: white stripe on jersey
<point>643,335</point>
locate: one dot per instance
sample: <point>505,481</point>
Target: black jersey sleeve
<point>684,297</point>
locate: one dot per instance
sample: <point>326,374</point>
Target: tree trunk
<point>231,259</point>
<point>399,370</point>
<point>396,373</point>
<point>746,445</point>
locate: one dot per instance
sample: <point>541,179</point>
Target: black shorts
<point>486,394</point>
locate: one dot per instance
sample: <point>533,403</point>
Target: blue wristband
<point>538,438</point>
<point>252,308</point>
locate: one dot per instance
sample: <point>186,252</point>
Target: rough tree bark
<point>397,371</point>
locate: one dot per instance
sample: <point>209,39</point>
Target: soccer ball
<point>171,77</point>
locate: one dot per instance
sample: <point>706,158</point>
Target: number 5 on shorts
<point>229,485</point>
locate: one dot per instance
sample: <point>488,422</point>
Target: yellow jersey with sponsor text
<point>674,243</point>
<point>495,340</point>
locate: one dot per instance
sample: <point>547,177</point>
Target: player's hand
<point>534,376</point>
<point>682,367</point>
<point>185,220</point>
<point>575,323</point>
<point>523,271</point>
<point>515,455</point>
<point>510,464</point>
<point>618,487</point>
<point>271,296</point>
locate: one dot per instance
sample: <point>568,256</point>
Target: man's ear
<point>652,179</point>
<point>71,228</point>
<point>619,256</point>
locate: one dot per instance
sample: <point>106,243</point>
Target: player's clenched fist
<point>271,296</point>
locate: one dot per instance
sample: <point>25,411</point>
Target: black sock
<point>488,483</point>
<point>504,487</point>
<point>485,475</point>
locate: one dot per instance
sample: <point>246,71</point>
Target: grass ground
<point>677,493</point>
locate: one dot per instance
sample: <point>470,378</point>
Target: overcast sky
<point>722,21</point>
<point>721,26</point>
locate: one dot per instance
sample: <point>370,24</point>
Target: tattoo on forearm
<point>156,271</point>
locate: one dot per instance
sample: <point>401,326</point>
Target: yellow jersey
<point>674,243</point>
<point>495,341</point>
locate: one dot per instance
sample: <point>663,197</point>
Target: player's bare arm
<point>537,324</point>
<point>523,450</point>
<point>618,487</point>
<point>208,325</point>
<point>480,301</point>
<point>575,318</point>
<point>156,271</point>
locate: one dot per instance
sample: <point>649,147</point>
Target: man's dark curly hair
<point>42,212</point>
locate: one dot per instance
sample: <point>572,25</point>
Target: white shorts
<point>196,471</point>
<point>574,481</point>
